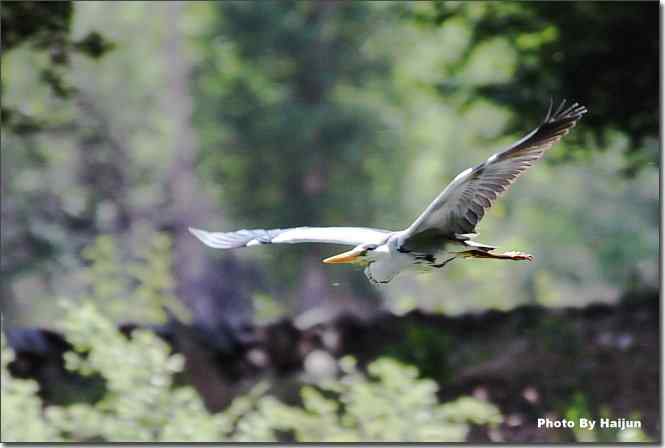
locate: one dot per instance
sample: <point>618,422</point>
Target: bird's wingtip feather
<point>548,116</point>
<point>202,236</point>
<point>196,232</point>
<point>573,111</point>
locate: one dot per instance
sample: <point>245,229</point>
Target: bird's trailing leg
<point>512,255</point>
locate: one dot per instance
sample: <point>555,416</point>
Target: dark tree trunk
<point>214,293</point>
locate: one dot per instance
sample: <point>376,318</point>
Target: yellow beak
<point>346,257</point>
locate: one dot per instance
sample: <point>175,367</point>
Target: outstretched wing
<point>462,204</point>
<point>336,235</point>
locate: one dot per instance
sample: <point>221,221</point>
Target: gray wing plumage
<point>462,204</point>
<point>336,235</point>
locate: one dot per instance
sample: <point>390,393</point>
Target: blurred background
<point>123,123</point>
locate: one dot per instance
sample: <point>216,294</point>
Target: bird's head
<point>363,254</point>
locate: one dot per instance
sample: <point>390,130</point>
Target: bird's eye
<point>371,247</point>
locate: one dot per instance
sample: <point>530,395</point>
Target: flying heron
<point>443,232</point>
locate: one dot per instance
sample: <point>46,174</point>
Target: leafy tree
<point>45,27</point>
<point>601,54</point>
<point>281,123</point>
<point>28,424</point>
<point>391,405</point>
<point>142,403</point>
<point>116,155</point>
<point>44,30</point>
<point>404,104</point>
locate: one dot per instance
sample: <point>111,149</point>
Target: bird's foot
<point>512,255</point>
<point>515,255</point>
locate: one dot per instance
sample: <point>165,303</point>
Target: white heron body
<point>386,268</point>
<point>443,232</point>
<point>388,261</point>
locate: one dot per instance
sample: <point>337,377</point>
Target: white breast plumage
<point>385,269</point>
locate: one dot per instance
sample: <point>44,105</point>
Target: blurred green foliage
<point>45,27</point>
<point>601,54</point>
<point>392,405</point>
<point>134,286</point>
<point>141,403</point>
<point>101,164</point>
<point>312,113</point>
<point>426,347</point>
<point>22,416</point>
<point>579,408</point>
<point>407,98</point>
<point>293,109</point>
